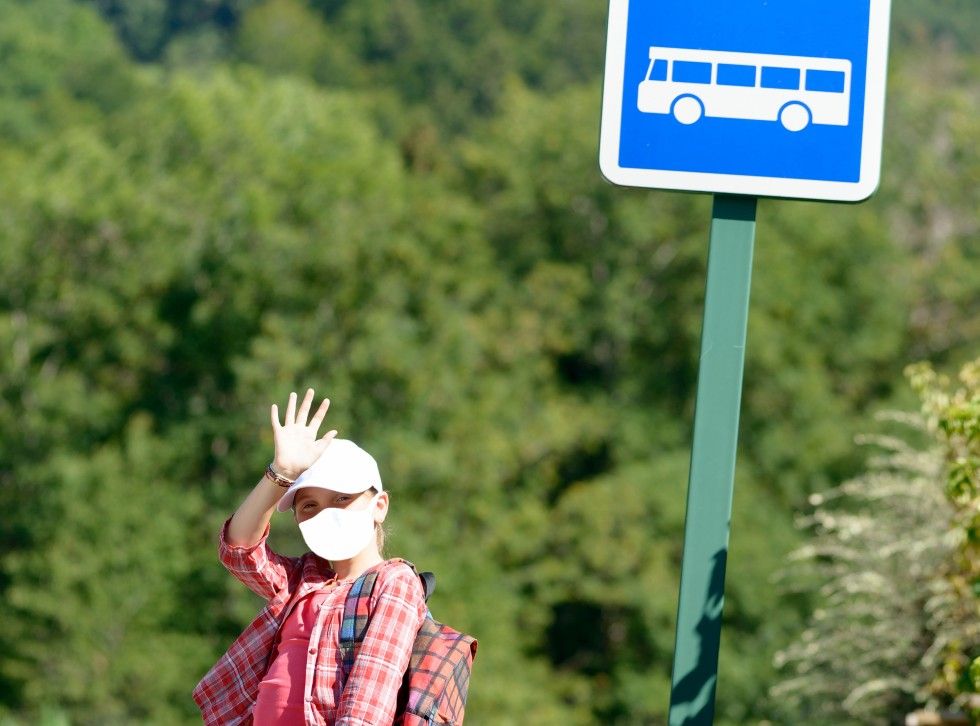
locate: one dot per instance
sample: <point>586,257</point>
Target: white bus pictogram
<point>794,90</point>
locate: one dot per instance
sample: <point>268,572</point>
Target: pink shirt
<point>280,701</point>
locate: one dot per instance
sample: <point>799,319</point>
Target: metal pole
<point>712,473</point>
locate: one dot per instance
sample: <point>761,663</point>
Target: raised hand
<point>297,445</point>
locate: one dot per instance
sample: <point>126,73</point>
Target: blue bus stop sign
<point>779,98</point>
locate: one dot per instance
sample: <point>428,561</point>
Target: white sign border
<point>763,186</point>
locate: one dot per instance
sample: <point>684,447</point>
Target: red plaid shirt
<point>227,693</point>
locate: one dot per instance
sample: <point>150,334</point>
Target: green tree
<point>147,27</point>
<point>95,620</point>
<point>954,415</point>
<point>930,189</point>
<point>63,68</point>
<point>282,36</point>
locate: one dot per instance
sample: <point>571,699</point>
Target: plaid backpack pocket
<point>438,677</point>
<point>436,683</point>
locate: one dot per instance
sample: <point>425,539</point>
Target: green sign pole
<point>712,473</point>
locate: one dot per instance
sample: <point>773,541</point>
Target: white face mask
<point>339,534</point>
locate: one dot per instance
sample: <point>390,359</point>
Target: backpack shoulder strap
<point>428,583</point>
<point>428,579</point>
<point>357,611</point>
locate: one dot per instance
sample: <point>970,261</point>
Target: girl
<point>286,667</point>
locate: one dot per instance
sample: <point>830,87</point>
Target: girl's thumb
<point>324,442</point>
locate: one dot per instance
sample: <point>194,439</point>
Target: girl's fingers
<point>304,409</point>
<point>318,416</point>
<point>290,410</point>
<point>275,418</point>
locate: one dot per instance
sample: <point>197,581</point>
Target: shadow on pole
<point>693,696</point>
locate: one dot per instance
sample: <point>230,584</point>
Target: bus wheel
<point>687,109</point>
<point>794,116</point>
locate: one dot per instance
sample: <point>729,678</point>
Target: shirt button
<point>312,651</point>
<point>309,698</point>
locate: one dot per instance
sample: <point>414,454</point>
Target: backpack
<point>436,682</point>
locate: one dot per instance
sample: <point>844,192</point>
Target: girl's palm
<point>297,446</point>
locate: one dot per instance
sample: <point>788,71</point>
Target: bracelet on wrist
<point>278,478</point>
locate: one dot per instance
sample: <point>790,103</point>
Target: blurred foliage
<point>945,22</point>
<point>398,203</point>
<point>953,414</point>
<point>895,557</point>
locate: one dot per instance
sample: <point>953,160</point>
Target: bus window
<point>773,77</point>
<point>735,75</point>
<point>830,81</point>
<point>692,72</point>
<point>658,70</point>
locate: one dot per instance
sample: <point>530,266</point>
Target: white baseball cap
<point>342,467</point>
